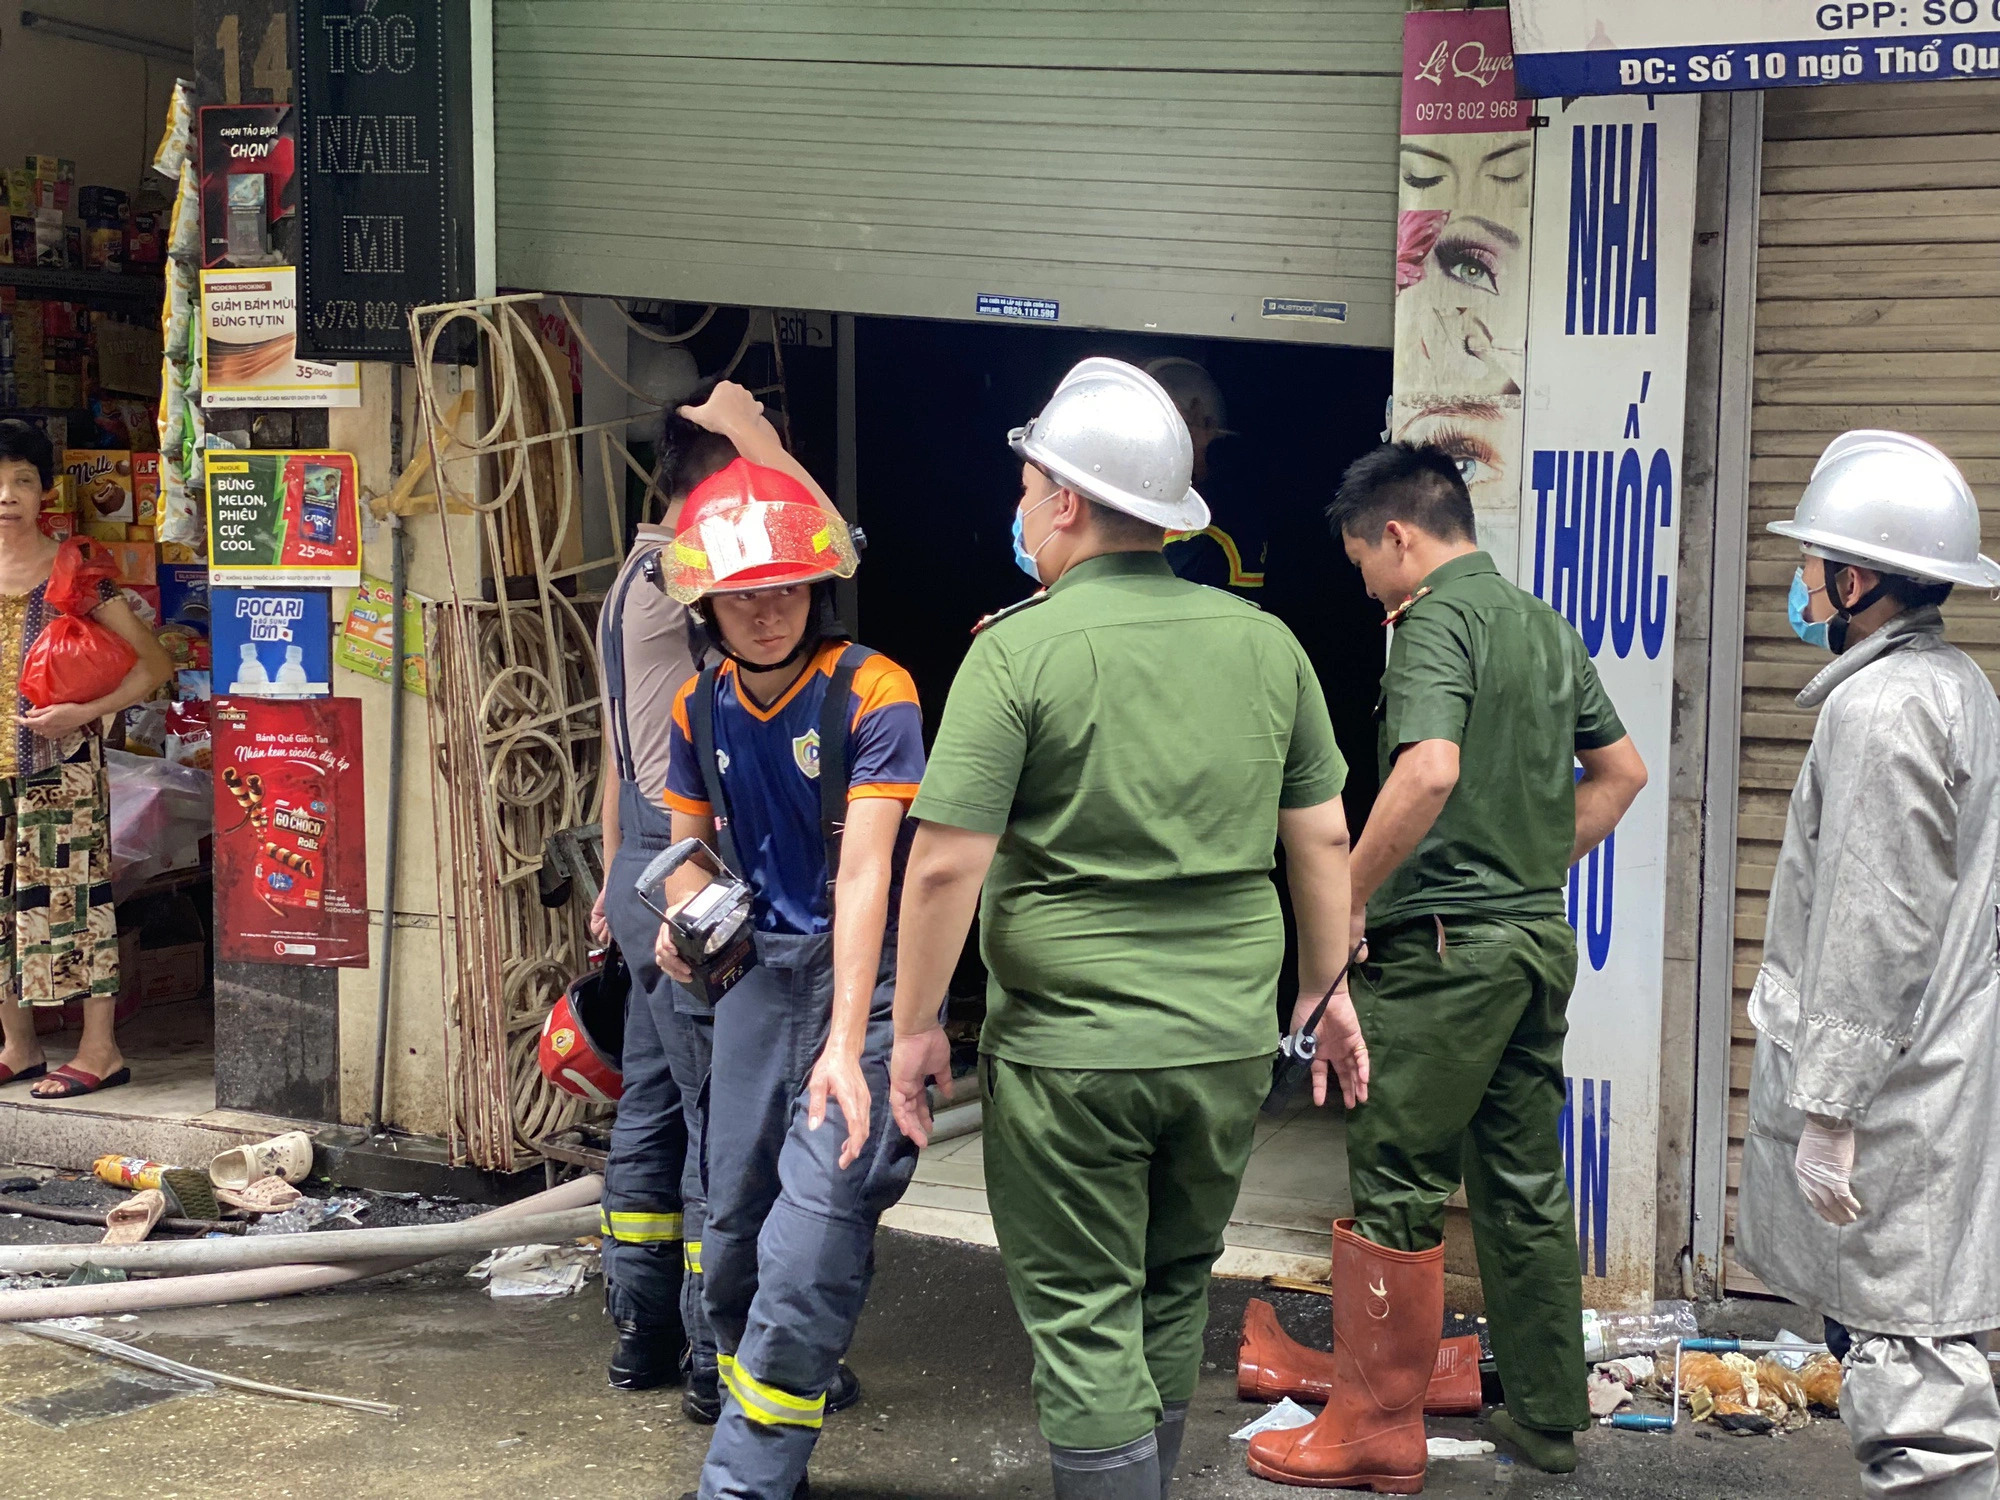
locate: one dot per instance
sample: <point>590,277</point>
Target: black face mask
<point>1836,628</point>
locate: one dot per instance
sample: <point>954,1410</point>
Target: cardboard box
<point>139,534</point>
<point>146,489</point>
<point>62,498</point>
<point>104,246</point>
<point>20,191</point>
<point>21,231</point>
<point>167,976</point>
<point>144,244</point>
<point>102,531</point>
<point>138,565</point>
<point>51,168</point>
<point>51,242</point>
<point>102,202</point>
<point>104,489</point>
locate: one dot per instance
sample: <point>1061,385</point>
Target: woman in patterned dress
<point>58,932</point>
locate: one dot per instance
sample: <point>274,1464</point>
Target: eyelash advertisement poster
<point>1465,200</point>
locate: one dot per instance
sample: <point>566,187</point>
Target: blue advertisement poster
<point>272,643</point>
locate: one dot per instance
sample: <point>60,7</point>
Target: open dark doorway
<point>934,403</point>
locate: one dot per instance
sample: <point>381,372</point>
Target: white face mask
<point>1023,558</point>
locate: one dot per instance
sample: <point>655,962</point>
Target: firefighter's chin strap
<point>1836,629</point>
<point>822,626</point>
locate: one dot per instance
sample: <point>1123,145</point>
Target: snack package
<point>146,489</point>
<point>172,152</point>
<point>290,869</point>
<point>184,228</point>
<point>103,479</point>
<point>138,563</point>
<point>188,741</point>
<point>57,526</point>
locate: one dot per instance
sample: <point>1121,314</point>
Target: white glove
<point>1824,1162</point>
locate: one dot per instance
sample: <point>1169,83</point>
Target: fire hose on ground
<point>219,1287</point>
<point>191,1257</point>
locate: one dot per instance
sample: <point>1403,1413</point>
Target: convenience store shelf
<point>84,286</point>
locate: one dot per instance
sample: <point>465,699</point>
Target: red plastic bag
<point>75,659</point>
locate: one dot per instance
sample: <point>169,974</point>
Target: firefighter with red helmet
<point>649,647</point>
<point>796,757</point>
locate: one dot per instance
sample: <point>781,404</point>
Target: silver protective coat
<point>1111,432</point>
<point>1894,503</point>
<point>1878,1002</point>
<point>1922,1418</point>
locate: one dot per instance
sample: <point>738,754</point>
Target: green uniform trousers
<point>1466,1055</point>
<point>1110,1191</point>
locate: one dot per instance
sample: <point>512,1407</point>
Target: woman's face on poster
<point>1462,297</point>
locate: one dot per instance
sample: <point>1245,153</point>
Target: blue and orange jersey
<point>769,760</point>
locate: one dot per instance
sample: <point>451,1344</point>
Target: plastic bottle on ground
<point>1614,1335</point>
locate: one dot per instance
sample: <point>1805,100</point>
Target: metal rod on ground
<point>1763,1346</point>
<point>59,1214</point>
<point>112,1298</point>
<point>147,1360</point>
<point>398,587</point>
<point>253,1252</point>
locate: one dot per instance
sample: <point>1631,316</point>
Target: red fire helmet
<point>583,1039</point>
<point>747,527</point>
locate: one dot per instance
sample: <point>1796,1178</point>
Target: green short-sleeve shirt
<point>1494,670</point>
<point>1131,739</point>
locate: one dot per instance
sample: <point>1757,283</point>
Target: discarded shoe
<point>267,1195</point>
<point>131,1221</point>
<point>289,1156</point>
<point>189,1194</point>
<point>803,1492</point>
<point>1271,1365</point>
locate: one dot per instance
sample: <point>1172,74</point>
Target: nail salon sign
<point>1576,47</point>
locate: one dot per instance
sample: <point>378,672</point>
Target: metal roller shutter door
<point>1148,164</point>
<point>1878,305</point>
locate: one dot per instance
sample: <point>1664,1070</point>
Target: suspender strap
<point>835,726</point>
<point>613,629</point>
<point>701,719</point>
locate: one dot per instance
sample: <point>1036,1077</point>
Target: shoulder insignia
<point>1395,616</point>
<point>1013,609</point>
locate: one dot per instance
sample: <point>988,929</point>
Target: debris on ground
<point>1607,1392</point>
<point>1285,1415</point>
<point>536,1270</point>
<point>309,1214</point>
<point>1445,1447</point>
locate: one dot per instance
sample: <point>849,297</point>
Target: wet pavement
<point>506,1398</point>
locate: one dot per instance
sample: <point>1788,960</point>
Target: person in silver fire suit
<point>1871,1172</point>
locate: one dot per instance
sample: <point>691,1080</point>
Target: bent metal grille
<point>384,206</point>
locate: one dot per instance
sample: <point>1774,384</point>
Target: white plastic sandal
<point>289,1156</point>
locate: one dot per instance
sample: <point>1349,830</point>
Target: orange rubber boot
<point>1389,1305</point>
<point>1271,1365</point>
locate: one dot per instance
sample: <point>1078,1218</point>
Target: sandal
<point>76,1083</point>
<point>131,1221</point>
<point>267,1195</point>
<point>22,1075</point>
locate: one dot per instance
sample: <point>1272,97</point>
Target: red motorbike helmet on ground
<point>583,1040</point>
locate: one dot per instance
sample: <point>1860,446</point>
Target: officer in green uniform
<point>1488,703</point>
<point>1123,753</point>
